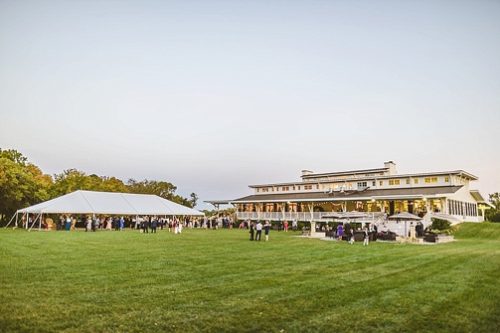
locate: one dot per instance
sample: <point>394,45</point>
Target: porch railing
<point>298,216</point>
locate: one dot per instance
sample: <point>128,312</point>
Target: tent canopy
<point>90,202</point>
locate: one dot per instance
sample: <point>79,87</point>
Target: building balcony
<point>300,216</point>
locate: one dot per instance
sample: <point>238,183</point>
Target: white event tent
<point>90,202</point>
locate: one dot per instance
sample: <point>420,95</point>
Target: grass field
<point>217,280</point>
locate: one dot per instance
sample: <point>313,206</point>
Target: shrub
<point>439,224</point>
<point>494,217</point>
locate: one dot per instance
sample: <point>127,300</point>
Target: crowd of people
<point>145,224</point>
<point>279,225</point>
<point>151,224</point>
<point>346,232</point>
<point>256,230</point>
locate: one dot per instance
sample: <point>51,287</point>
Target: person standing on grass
<point>267,227</point>
<point>340,231</point>
<point>68,223</point>
<point>95,224</point>
<point>258,227</point>
<point>285,225</point>
<point>60,225</point>
<point>88,225</point>
<point>154,225</point>
<point>145,228</point>
<point>252,231</point>
<point>122,223</point>
<point>351,236</point>
<point>367,237</point>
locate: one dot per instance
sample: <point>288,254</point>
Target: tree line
<point>493,214</point>
<point>24,184</point>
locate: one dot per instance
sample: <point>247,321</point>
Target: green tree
<point>493,214</point>
<point>193,200</point>
<point>69,181</point>
<point>73,180</point>
<point>21,183</point>
<point>162,189</point>
<point>495,200</point>
<point>14,156</point>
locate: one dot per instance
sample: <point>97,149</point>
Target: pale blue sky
<point>216,95</point>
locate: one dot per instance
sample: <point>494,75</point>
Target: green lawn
<point>207,280</point>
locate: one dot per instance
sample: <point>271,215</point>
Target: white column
<point>313,224</point>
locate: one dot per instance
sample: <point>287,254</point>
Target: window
<point>415,181</point>
<point>285,188</point>
<point>446,179</point>
<point>298,187</point>
<point>373,183</point>
<point>317,187</point>
<point>394,182</point>
<point>381,183</point>
<point>362,185</point>
<point>258,190</point>
<point>430,180</point>
<point>408,181</point>
<point>265,189</point>
<point>308,187</point>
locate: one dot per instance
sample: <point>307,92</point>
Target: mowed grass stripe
<point>206,280</point>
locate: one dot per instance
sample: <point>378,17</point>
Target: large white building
<point>378,192</point>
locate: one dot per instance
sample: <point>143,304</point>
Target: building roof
<point>423,174</point>
<point>341,173</point>
<point>90,202</point>
<point>480,199</point>
<point>477,196</point>
<point>412,192</point>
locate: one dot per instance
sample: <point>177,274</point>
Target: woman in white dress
<point>88,225</point>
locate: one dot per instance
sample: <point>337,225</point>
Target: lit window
<point>394,182</point>
<point>446,179</point>
<point>408,181</point>
<point>415,181</point>
<point>429,180</point>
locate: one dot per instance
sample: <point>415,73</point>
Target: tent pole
<point>12,218</point>
<point>40,222</point>
<point>33,224</point>
<point>27,220</point>
<point>17,215</point>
